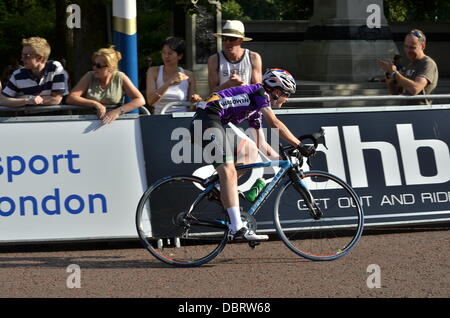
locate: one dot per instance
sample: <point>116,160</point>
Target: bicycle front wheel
<point>328,236</point>
<point>180,224</point>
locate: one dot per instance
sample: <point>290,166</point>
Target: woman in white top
<point>169,82</point>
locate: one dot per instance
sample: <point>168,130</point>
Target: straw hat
<point>233,28</point>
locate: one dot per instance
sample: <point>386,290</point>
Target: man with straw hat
<point>234,65</point>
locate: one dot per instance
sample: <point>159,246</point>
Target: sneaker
<point>246,234</point>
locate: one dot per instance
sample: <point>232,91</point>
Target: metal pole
<point>125,37</point>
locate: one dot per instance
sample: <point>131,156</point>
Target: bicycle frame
<point>285,166</point>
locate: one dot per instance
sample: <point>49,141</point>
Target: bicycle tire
<point>332,236</point>
<point>167,236</point>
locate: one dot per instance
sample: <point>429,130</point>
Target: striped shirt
<point>23,82</point>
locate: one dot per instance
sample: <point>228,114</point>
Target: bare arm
<point>193,96</point>
<point>137,100</point>
<point>54,99</point>
<point>153,93</point>
<point>20,101</point>
<point>256,68</point>
<point>412,87</point>
<point>261,143</point>
<point>283,131</point>
<point>213,77</point>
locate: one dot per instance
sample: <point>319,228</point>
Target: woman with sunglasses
<point>106,85</point>
<point>235,105</point>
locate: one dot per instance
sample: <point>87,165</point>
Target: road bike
<point>180,220</point>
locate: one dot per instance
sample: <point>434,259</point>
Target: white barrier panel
<point>70,180</point>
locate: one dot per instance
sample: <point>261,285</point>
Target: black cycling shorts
<point>219,144</point>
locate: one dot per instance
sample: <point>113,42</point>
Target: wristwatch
<point>393,74</point>
<point>122,110</point>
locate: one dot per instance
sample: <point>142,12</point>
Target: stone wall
<point>279,41</point>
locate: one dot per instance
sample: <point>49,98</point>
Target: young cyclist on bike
<point>235,105</point>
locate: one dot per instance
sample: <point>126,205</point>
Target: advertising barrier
<point>65,180</point>
<point>398,161</point>
<point>78,180</point>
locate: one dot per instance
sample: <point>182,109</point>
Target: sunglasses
<point>98,65</point>
<point>417,34</point>
<point>281,94</point>
<point>28,56</point>
<point>229,38</point>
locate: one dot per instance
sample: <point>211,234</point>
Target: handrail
<point>168,105</point>
<point>145,111</point>
<point>363,98</point>
<point>42,109</point>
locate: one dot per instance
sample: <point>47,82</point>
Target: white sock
<point>235,218</point>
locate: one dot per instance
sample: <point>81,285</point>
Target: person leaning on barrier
<point>420,76</point>
<point>105,85</point>
<point>39,82</point>
<point>169,82</point>
<point>234,65</point>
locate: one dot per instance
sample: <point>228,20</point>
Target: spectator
<point>105,85</point>
<point>234,65</point>
<point>169,82</point>
<point>420,76</point>
<point>39,82</point>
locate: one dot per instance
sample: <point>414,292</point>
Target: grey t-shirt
<point>426,68</point>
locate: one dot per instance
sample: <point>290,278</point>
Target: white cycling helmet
<point>278,78</point>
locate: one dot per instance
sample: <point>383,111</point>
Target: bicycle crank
<point>248,220</point>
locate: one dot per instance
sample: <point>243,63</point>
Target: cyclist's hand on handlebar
<point>306,150</point>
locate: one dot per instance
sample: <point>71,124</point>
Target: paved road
<point>412,264</point>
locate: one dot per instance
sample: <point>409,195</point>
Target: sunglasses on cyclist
<point>281,94</point>
<point>98,65</point>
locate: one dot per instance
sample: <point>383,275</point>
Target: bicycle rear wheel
<point>329,236</point>
<point>180,224</point>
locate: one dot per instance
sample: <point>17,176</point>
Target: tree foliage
<point>22,19</point>
<point>417,10</point>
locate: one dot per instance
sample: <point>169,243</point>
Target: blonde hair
<point>111,56</point>
<point>39,45</point>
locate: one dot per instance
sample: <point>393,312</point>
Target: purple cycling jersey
<point>240,103</point>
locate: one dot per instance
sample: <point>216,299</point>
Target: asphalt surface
<point>405,263</point>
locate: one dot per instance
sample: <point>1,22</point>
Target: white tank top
<point>243,68</point>
<point>175,93</point>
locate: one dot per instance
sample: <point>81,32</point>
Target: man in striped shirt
<point>39,82</point>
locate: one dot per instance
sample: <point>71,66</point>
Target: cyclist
<point>235,105</point>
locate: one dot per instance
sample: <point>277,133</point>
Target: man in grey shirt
<point>421,75</point>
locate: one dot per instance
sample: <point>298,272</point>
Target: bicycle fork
<point>300,186</point>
